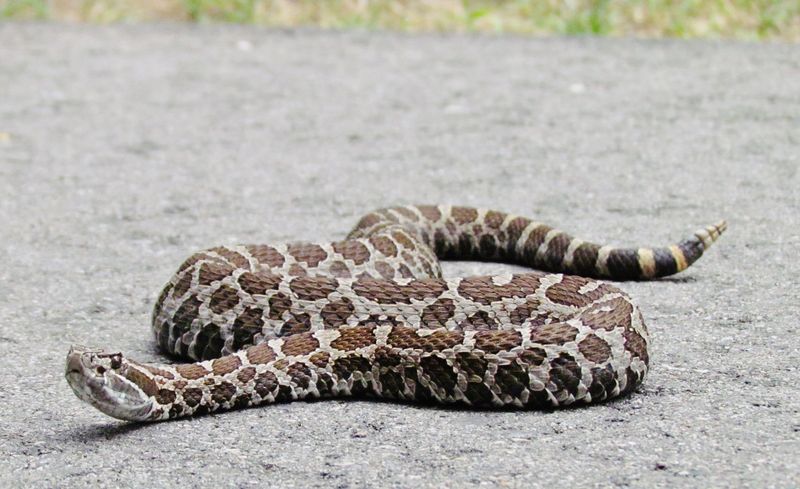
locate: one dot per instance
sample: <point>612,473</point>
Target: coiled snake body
<point>372,316</point>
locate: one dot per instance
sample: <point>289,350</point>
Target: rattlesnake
<point>372,316</point>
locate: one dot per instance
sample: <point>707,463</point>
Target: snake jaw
<point>98,378</point>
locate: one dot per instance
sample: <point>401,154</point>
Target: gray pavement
<point>125,148</point>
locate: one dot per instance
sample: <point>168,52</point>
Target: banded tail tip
<point>689,250</point>
<point>709,234</point>
<point>662,262</point>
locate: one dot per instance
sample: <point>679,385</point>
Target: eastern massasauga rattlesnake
<point>372,316</point>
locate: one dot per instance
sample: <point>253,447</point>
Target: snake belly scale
<point>372,316</point>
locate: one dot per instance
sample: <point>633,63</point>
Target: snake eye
<point>116,362</point>
<point>100,369</point>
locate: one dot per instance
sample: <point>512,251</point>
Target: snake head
<point>99,378</point>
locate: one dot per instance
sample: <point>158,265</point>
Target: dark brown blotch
<point>594,348</point>
<point>438,313</point>
<point>320,359</point>
<point>522,312</point>
<point>567,291</point>
<point>336,313</point>
<point>636,344</point>
<point>494,219</point>
<point>299,344</point>
<point>183,285</point>
<point>481,320</point>
<point>158,372</point>
<point>464,215</point>
<point>246,325</point>
<point>608,314</point>
<point>554,334</point>
<point>141,379</point>
<point>300,374</point>
<point>223,299</point>
<point>192,396</point>
<point>352,250</point>
<point>233,257</point>
<point>297,323</point>
<point>165,396</point>
<point>309,253</point>
<point>404,271</point>
<point>241,401</point>
<point>192,371</point>
<point>339,269</point>
<point>484,291</point>
<point>265,384</point>
<point>278,304</point>
<point>186,314</point>
<point>175,411</point>
<point>210,272</point>
<point>258,283</point>
<point>367,221</point>
<point>260,354</point>
<point>190,262</point>
<point>297,270</point>
<point>403,239</point>
<point>430,212</point>
<point>533,356</point>
<point>385,270</point>
<point>246,375</point>
<point>353,338</point>
<point>225,365</point>
<point>497,341</point>
<point>313,288</point>
<point>208,343</point>
<point>384,245</point>
<point>325,382</point>
<point>267,255</point>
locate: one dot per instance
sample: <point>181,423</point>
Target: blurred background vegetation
<point>739,19</point>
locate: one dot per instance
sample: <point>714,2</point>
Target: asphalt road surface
<point>124,149</point>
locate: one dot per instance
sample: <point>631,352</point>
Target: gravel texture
<point>123,149</point>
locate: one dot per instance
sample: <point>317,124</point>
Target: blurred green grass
<point>738,19</point>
